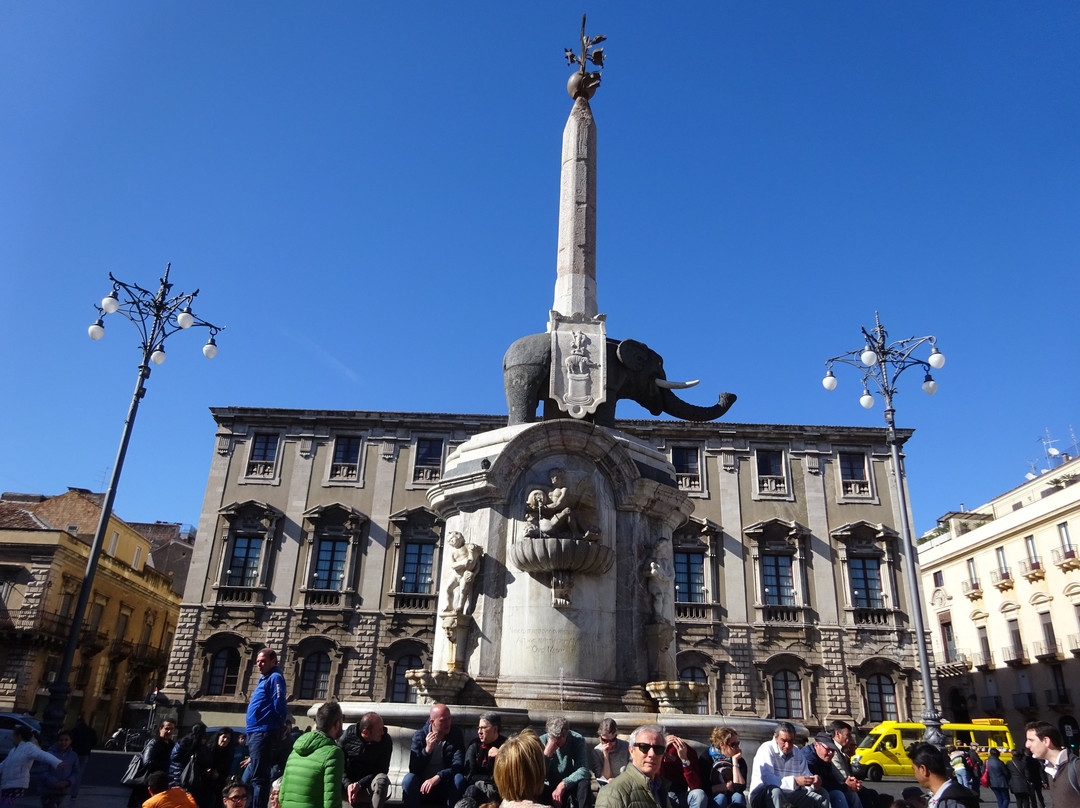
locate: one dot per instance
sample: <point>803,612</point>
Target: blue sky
<point>366,195</point>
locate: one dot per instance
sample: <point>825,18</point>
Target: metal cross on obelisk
<point>578,337</point>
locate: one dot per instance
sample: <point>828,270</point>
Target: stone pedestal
<point>565,612</point>
<point>678,697</point>
<point>436,685</point>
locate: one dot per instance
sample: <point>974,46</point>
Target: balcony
<point>1058,698</point>
<point>983,662</point>
<point>697,612</point>
<point>145,655</point>
<point>1045,651</point>
<point>1065,558</point>
<point>872,616</point>
<point>120,649</point>
<point>772,484</point>
<point>326,598</point>
<point>991,704</point>
<point>973,590</point>
<point>1014,655</point>
<point>427,473</point>
<point>1024,701</point>
<point>957,663</point>
<point>688,481</point>
<point>1002,579</point>
<point>253,595</point>
<point>414,602</point>
<point>1032,569</point>
<point>784,615</point>
<point>856,488</point>
<point>41,623</point>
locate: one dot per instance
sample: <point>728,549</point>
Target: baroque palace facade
<point>316,539</point>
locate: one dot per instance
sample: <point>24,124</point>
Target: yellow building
<point>130,618</point>
<point>1003,587</point>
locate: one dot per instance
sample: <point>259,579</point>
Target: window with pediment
<point>225,657</point>
<point>778,552</point>
<point>250,530</point>
<point>334,534</point>
<point>417,535</point>
<point>867,554</point>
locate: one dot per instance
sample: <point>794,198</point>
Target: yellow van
<point>883,750</point>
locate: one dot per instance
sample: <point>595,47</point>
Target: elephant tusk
<point>669,385</point>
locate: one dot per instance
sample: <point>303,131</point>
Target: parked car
<point>8,722</point>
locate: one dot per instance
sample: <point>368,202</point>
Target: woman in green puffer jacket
<point>313,771</point>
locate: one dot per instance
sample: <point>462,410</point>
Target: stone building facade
<point>1003,589</point>
<point>129,623</point>
<point>317,539</point>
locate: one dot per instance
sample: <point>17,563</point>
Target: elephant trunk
<point>675,406</point>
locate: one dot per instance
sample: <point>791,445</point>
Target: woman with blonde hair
<point>520,769</point>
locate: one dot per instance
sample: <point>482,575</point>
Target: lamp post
<point>881,363</point>
<point>157,316</point>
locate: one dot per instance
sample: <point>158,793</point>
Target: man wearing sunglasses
<point>640,785</point>
<point>609,757</point>
<point>780,776</point>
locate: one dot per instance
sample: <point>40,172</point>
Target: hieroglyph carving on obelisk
<point>578,336</point>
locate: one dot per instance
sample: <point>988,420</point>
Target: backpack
<point>135,774</point>
<point>1070,765</point>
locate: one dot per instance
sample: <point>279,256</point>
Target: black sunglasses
<point>644,748</point>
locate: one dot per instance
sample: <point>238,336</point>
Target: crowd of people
<point>274,766</point>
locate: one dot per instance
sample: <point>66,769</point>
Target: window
<point>865,583</point>
<point>67,604</point>
<point>687,471</point>
<point>777,581</point>
<point>416,569</point>
<point>224,673</point>
<point>939,578</point>
<point>693,674</point>
<point>984,645</point>
<point>853,479</point>
<point>881,698</point>
<point>263,457</point>
<point>973,576</point>
<point>1029,545</point>
<point>770,471</point>
<point>402,691</point>
<point>1014,637</point>
<point>1063,534</point>
<point>787,695</point>
<point>315,676</point>
<point>1049,637</point>
<point>428,465</point>
<point>689,577</point>
<point>136,557</point>
<point>113,541</point>
<point>121,625</point>
<point>948,641</point>
<point>346,463</point>
<point>1002,562</point>
<point>330,564</point>
<point>243,567</point>
<point>93,619</point>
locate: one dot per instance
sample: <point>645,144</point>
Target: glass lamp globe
<point>868,357</point>
<point>97,330</point>
<point>929,386</point>
<point>158,356</point>
<point>937,359</point>
<point>110,303</point>
<point>829,382</point>
<point>185,319</point>
<point>209,350</point>
<point>866,400</point>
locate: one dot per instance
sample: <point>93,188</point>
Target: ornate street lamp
<point>157,316</point>
<point>881,364</point>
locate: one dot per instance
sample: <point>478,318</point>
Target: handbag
<point>985,779</point>
<point>135,774</point>
<point>191,778</point>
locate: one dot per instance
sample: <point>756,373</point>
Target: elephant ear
<point>635,355</point>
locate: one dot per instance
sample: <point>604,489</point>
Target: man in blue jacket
<point>266,716</point>
<point>436,762</point>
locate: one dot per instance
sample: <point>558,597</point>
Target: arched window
<point>224,671</point>
<point>402,691</point>
<point>693,674</point>
<point>881,695</point>
<point>315,676</point>
<point>787,695</point>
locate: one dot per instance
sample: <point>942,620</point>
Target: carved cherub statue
<point>553,513</point>
<point>660,574</point>
<point>464,561</point>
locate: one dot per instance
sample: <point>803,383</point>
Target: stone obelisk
<point>575,282</point>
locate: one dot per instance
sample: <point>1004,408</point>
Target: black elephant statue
<point>634,371</point>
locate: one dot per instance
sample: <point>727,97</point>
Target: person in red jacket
<point>681,769</point>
